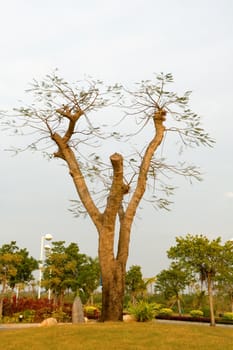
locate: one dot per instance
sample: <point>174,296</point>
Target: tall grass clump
<point>143,311</point>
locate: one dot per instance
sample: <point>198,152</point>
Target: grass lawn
<point>119,336</point>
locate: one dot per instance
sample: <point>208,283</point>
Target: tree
<point>62,116</point>
<point>67,269</point>
<point>88,278</point>
<point>172,282</point>
<point>209,259</point>
<point>225,279</point>
<point>134,282</point>
<point>24,269</point>
<point>15,267</point>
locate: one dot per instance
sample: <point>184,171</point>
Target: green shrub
<point>143,311</point>
<point>157,307</point>
<point>228,316</point>
<point>165,311</point>
<point>206,311</point>
<point>28,315</point>
<point>8,319</point>
<point>196,313</point>
<point>91,311</point>
<point>60,316</point>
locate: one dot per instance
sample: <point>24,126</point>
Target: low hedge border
<point>193,319</point>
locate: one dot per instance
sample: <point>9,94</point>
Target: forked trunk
<point>112,266</point>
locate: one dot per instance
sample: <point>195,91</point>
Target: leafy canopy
<point>200,255</point>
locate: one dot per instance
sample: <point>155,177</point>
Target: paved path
<point>18,325</point>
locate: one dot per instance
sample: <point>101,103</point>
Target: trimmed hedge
<point>196,313</point>
<point>228,316</point>
<point>193,319</point>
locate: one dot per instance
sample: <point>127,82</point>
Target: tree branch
<point>66,153</point>
<point>72,117</point>
<point>159,118</point>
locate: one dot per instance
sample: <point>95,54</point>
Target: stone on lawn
<point>49,322</point>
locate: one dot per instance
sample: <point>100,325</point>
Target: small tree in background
<point>225,283</point>
<point>209,259</point>
<point>172,282</point>
<point>134,282</point>
<point>67,269</point>
<point>16,266</point>
<point>27,265</point>
<point>89,278</point>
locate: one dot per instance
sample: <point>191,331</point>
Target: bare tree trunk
<point>2,296</point>
<point>113,278</point>
<point>178,305</point>
<point>211,302</point>
<point>61,300</point>
<point>1,307</point>
<point>113,292</point>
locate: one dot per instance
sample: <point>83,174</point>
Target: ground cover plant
<point>135,336</point>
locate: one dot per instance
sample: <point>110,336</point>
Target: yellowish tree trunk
<point>113,286</point>
<point>179,305</point>
<point>1,306</point>
<point>211,301</point>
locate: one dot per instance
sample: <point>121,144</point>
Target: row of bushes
<point>36,310</point>
<point>144,311</point>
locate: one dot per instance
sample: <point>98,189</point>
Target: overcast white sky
<point>123,41</point>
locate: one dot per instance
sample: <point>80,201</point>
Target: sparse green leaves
<point>67,109</point>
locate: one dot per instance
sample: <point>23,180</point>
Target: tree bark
<point>61,300</point>
<point>2,296</point>
<point>1,306</point>
<point>179,305</point>
<point>113,286</point>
